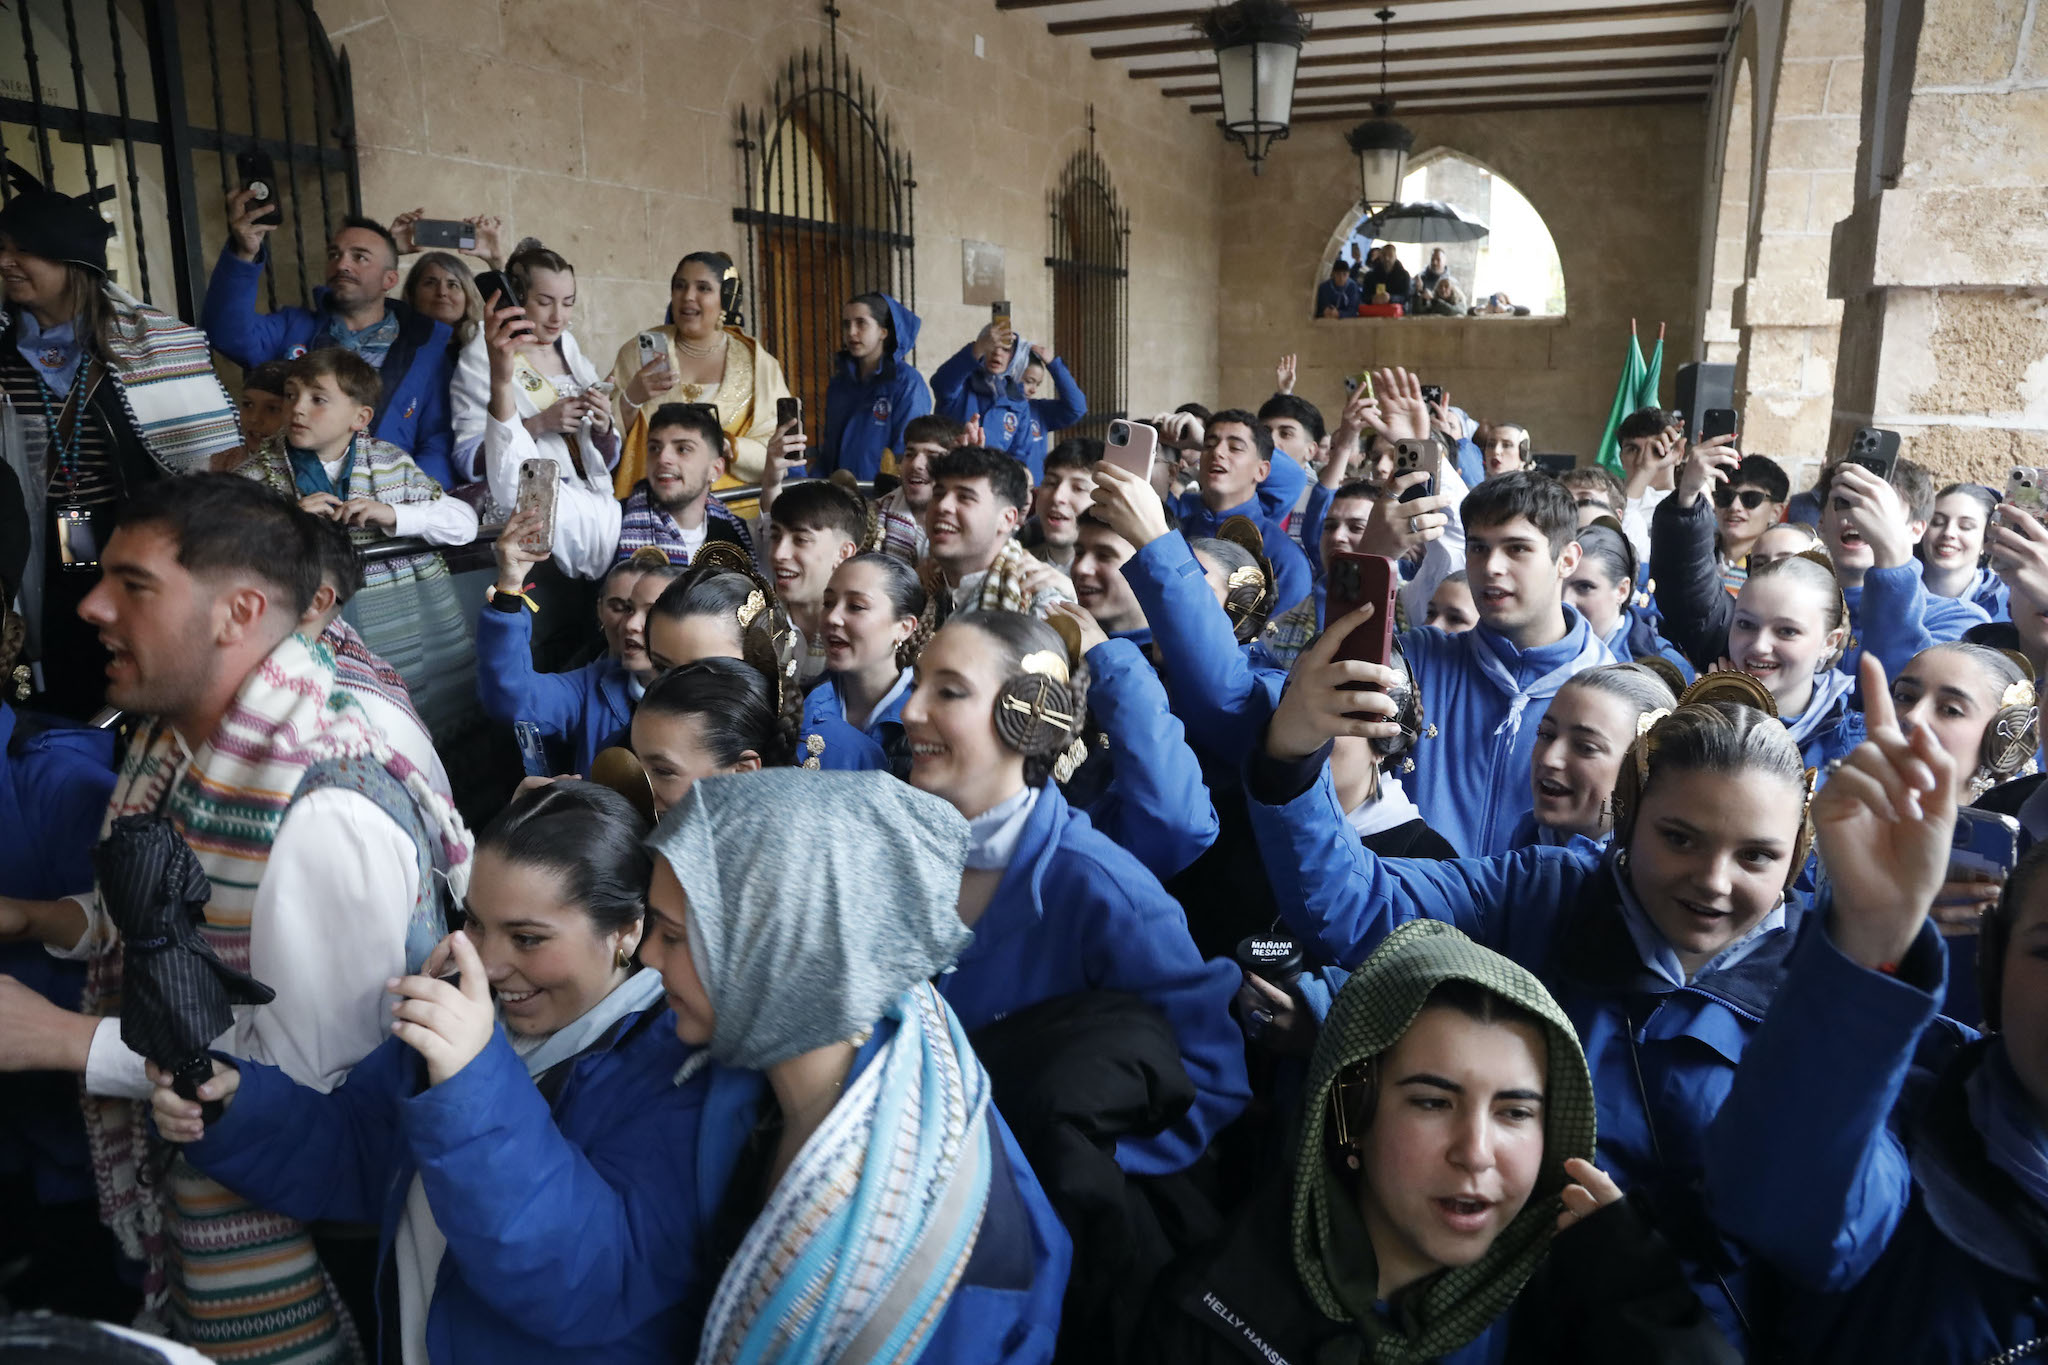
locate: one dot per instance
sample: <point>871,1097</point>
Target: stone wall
<point>606,128</point>
<point>1619,189</point>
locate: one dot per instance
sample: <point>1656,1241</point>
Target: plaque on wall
<point>981,272</point>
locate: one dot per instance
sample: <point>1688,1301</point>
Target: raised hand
<point>1397,529</point>
<point>1129,505</point>
<point>401,230</point>
<point>1403,410</point>
<point>1878,513</point>
<point>514,549</point>
<point>2019,550</point>
<point>245,233</point>
<point>1884,823</point>
<point>489,228</point>
<point>1284,373</point>
<point>1707,465</point>
<point>1084,621</point>
<point>447,1025</point>
<point>1591,1190</point>
<point>1319,706</point>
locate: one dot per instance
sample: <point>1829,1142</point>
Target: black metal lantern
<point>1258,46</point>
<point>1381,144</point>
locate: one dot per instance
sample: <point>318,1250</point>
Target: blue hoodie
<point>864,418</point>
<point>1154,805</point>
<point>1068,406</point>
<point>1662,1056</point>
<point>1074,912</point>
<point>584,708</point>
<point>964,391</point>
<point>1472,780</point>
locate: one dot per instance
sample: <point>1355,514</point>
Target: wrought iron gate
<point>144,105</point>
<point>1091,235</point>
<point>829,211</point>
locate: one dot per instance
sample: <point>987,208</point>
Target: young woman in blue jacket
<point>1890,1164</point>
<point>875,623</point>
<point>545,1189</point>
<point>874,391</point>
<point>1603,588</point>
<point>1580,743</point>
<point>1665,950</point>
<point>882,1210</point>
<point>1055,906</point>
<point>1789,632</point>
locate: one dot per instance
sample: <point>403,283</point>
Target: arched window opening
<point>1091,234</point>
<point>1516,261</point>
<point>828,213</point>
<point>1722,343</point>
<point>144,106</point>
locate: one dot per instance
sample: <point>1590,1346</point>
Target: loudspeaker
<point>1702,386</point>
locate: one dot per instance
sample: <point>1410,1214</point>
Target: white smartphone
<point>1131,446</point>
<point>652,348</point>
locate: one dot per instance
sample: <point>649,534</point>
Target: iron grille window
<point>144,104</point>
<point>1091,234</point>
<point>829,212</point>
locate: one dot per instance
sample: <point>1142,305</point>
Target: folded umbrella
<point>176,996</point>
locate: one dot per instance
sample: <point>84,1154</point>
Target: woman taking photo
<point>1952,550</point>
<point>1442,1203</point>
<point>1055,905</point>
<point>1579,747</point>
<point>1907,1206</point>
<point>704,358</point>
<point>555,386</point>
<point>121,395</point>
<point>1665,949</point>
<point>882,1210</point>
<point>535,1167</point>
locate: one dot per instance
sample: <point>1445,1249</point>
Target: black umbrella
<point>175,994</point>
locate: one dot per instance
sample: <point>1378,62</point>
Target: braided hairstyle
<point>733,705</point>
<point>1015,636</point>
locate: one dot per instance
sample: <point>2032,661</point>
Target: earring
<point>621,959</point>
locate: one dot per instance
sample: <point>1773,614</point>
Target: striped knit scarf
<point>1004,587</point>
<point>864,1239</point>
<point>164,371</point>
<point>643,523</point>
<point>359,669</point>
<point>241,1283</point>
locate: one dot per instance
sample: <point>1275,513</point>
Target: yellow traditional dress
<point>745,396</point>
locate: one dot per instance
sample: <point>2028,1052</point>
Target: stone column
<point>1788,325</point>
<point>1943,266</point>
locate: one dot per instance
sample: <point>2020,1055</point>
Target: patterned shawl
<point>205,1247</point>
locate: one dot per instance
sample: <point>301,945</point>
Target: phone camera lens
<point>1119,433</point>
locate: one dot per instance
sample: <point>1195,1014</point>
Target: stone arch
<point>1720,343</point>
<point>1470,276</point>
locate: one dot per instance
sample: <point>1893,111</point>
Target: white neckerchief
<point>1389,806</point>
<point>993,835</point>
<point>896,689</point>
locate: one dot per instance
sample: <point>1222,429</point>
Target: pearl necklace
<point>705,351</point>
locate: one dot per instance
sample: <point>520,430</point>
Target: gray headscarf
<point>816,899</point>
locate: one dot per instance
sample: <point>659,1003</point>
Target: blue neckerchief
<point>1589,653</point>
<point>54,354</point>
<point>373,343</point>
<point>1661,958</point>
<point>309,476</point>
<point>2003,1117</point>
<point>637,992</point>
<point>1828,688</point>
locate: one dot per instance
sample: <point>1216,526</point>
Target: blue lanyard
<point>67,449</point>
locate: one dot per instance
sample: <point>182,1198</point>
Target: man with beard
<point>671,510</point>
<point>409,349</point>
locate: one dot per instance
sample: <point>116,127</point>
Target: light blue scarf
<point>1828,688</point>
<point>1661,958</point>
<point>54,354</point>
<point>1592,653</point>
<point>637,992</point>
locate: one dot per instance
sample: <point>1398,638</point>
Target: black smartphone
<point>259,174</point>
<point>1876,449</point>
<point>500,283</point>
<point>1432,394</point>
<point>788,410</point>
<point>1717,422</point>
<point>446,233</point>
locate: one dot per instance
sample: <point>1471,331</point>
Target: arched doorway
<point>143,105</point>
<point>828,213</point>
<point>1091,233</point>
<point>1721,344</point>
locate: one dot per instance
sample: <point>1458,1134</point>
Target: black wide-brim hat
<point>57,227</point>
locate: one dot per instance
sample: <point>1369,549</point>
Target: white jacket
<point>469,401</point>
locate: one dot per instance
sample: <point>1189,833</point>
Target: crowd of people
<point>976,897</point>
<point>1379,285</point>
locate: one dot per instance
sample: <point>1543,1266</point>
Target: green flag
<point>1632,372</point>
<point>1653,375</point>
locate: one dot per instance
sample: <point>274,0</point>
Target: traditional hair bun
<point>527,244</point>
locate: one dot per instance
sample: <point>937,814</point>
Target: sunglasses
<point>1594,502</point>
<point>1752,498</point>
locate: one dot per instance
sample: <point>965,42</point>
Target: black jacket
<point>1611,1290</point>
<point>1695,607</point>
<point>1071,1076</point>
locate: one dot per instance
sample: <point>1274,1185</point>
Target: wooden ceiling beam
<point>1396,79</point>
<point>1337,115</point>
<point>1176,18</point>
<point>1602,42</point>
<point>1668,9</point>
<point>1540,88</point>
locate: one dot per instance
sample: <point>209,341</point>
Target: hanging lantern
<point>1258,45</point>
<point>1381,144</point>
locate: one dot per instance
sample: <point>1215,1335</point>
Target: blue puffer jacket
<point>964,391</point>
<point>1067,406</point>
<point>1662,1058</point>
<point>1895,617</point>
<point>584,708</point>
<point>1290,566</point>
<point>1074,912</point>
<point>577,1231</point>
<point>412,413</point>
<point>1472,781</point>
<point>1846,1157</point>
<point>1154,804</point>
<point>830,738</point>
<point>864,418</point>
